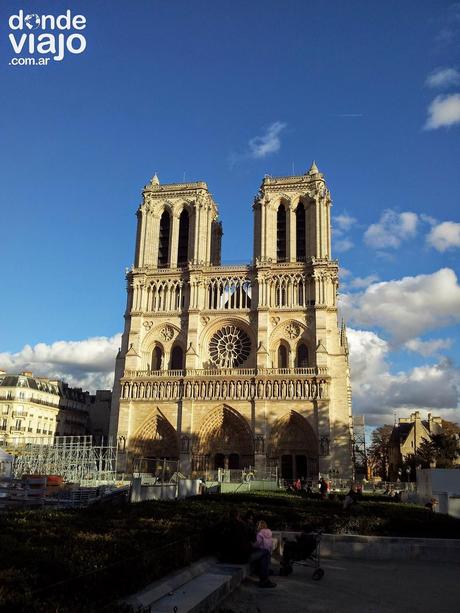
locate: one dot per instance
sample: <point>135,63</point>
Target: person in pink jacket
<point>264,539</point>
<point>262,553</point>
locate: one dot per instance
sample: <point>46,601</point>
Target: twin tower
<point>235,366</point>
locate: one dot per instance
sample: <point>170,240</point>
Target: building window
<point>177,358</point>
<point>302,356</point>
<point>157,358</point>
<point>300,232</point>
<point>282,356</point>
<point>281,234</point>
<point>182,249</point>
<point>163,243</point>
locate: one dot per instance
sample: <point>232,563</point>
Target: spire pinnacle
<point>313,169</point>
<point>155,180</point>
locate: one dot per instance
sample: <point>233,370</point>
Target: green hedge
<point>84,559</point>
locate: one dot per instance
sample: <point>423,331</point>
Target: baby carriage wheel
<point>318,574</point>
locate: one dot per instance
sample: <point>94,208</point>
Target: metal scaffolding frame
<point>74,458</point>
<point>359,447</point>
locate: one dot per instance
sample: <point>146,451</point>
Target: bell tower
<point>292,218</point>
<point>177,224</point>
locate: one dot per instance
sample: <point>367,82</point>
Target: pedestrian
<point>262,553</point>
<point>350,498</point>
<point>323,487</point>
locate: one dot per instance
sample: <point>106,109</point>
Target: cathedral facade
<point>235,366</point>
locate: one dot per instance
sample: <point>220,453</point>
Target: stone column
<point>291,234</point>
<point>174,241</point>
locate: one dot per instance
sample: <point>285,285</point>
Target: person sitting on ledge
<point>235,547</point>
<point>431,504</point>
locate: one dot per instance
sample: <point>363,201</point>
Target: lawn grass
<point>80,560</point>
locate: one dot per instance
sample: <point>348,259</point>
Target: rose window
<point>229,347</point>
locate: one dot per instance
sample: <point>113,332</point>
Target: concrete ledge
<point>384,547</point>
<point>196,589</point>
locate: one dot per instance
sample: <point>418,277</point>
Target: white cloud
<point>362,282</point>
<point>408,307</point>
<point>391,230</point>
<point>427,348</point>
<point>443,111</point>
<point>428,219</point>
<point>444,236</point>
<point>443,77</point>
<point>88,364</point>
<point>261,146</point>
<point>344,221</point>
<point>377,392</point>
<point>343,244</point>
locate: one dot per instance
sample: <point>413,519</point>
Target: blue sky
<point>227,91</point>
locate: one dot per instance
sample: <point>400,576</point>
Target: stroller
<point>304,551</point>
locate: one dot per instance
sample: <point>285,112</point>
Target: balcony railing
<point>227,384</point>
<point>312,371</point>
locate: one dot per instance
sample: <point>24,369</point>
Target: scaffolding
<point>359,447</point>
<point>74,458</point>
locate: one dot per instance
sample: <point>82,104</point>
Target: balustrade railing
<point>312,371</point>
<point>234,387</point>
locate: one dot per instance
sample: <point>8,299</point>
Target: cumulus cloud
<point>427,348</point>
<point>261,146</point>
<point>344,222</point>
<point>443,77</point>
<point>444,111</point>
<point>362,282</point>
<point>391,230</point>
<point>406,308</point>
<point>377,392</point>
<point>343,244</point>
<point>88,363</point>
<point>269,142</point>
<point>444,236</point>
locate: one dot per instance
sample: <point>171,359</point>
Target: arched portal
<point>293,446</point>
<point>156,438</point>
<point>224,441</point>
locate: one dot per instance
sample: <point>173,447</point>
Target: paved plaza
<point>354,586</point>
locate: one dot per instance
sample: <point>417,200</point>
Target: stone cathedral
<point>235,366</point>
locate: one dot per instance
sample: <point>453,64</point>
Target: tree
<point>449,427</point>
<point>443,449</point>
<point>378,454</point>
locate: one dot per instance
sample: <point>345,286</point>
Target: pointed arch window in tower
<point>282,357</point>
<point>300,232</point>
<point>157,358</point>
<point>281,234</point>
<point>177,358</point>
<point>163,242</point>
<point>182,249</point>
<point>302,356</point>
